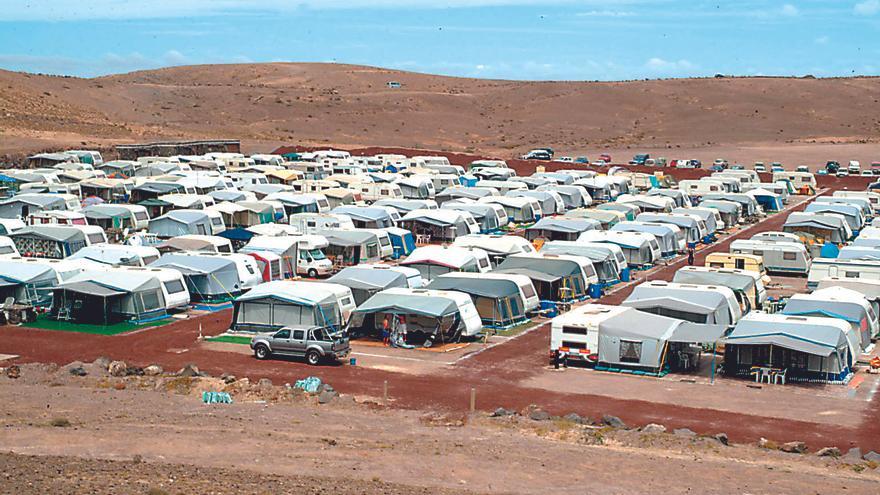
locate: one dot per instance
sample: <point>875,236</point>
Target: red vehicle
<point>605,157</point>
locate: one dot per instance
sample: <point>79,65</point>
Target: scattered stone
<point>102,362</point>
<point>767,444</point>
<point>539,415</point>
<point>13,372</point>
<point>613,421</point>
<point>722,438</point>
<point>502,412</point>
<point>265,383</point>
<point>76,369</point>
<point>326,396</point>
<point>120,385</point>
<point>117,368</point>
<point>684,432</point>
<point>228,379</point>
<point>134,371</point>
<point>828,452</point>
<point>794,447</point>
<point>576,419</point>
<point>137,459</point>
<point>872,457</point>
<point>153,370</point>
<point>189,370</point>
<point>653,428</point>
<point>853,456</point>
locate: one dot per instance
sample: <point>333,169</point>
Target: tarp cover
<point>405,301</point>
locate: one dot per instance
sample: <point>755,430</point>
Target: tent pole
<point>712,372</point>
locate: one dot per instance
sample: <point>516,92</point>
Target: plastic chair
<point>780,375</point>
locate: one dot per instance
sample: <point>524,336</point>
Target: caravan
<point>778,256</point>
<point>576,333</point>
<point>640,248</point>
<point>822,268</point>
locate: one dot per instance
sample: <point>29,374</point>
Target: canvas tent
<point>497,297</point>
<point>841,303</point>
<point>555,277</point>
<point>808,348</point>
<point>364,282</point>
<point>208,278</point>
<point>366,217</point>
<point>608,259</point>
<point>441,315</point>
<point>710,306</point>
<point>730,211</point>
<point>561,228</point>
<point>443,225</point>
<point>278,304</point>
<point>48,241</point>
<point>107,297</point>
<point>180,222</point>
<point>489,217</point>
<point>829,228</point>
<point>27,283</point>
<point>670,237</point>
<point>350,247</point>
<point>649,343</point>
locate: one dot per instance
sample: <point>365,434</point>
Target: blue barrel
<point>595,291</point>
<point>624,275</point>
<point>353,361</point>
<point>829,250</point>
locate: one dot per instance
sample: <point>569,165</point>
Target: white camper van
<point>576,333</point>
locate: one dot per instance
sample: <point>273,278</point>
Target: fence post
<point>473,400</point>
<point>385,393</point>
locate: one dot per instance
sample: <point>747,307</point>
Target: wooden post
<point>473,400</point>
<point>385,393</point>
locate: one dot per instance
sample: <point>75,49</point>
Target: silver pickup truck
<point>315,344</point>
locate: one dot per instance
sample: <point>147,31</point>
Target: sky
<point>504,39</point>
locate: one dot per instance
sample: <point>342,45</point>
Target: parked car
<point>843,173</point>
<point>759,164</point>
<point>640,159</point>
<point>315,344</point>
<point>821,171</point>
<point>538,155</point>
<point>605,157</point>
<point>867,172</point>
<point>832,166</point>
<point>564,159</point>
<point>720,162</point>
<point>854,166</point>
<point>716,168</point>
<point>582,159</point>
<point>737,166</point>
<point>599,163</point>
<point>777,164</point>
<point>802,168</point>
<point>875,168</point>
<point>760,168</point>
<point>777,169</point>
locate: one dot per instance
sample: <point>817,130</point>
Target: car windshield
<point>317,254</point>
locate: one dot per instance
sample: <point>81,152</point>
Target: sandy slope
<point>351,105</point>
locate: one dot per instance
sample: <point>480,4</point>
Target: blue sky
<point>510,39</point>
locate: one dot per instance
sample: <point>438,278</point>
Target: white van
<point>702,186</point>
<point>312,261</point>
<point>576,333</point>
<point>374,191</point>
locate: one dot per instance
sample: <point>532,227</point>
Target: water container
<point>352,361</point>
<point>595,291</point>
<point>624,275</point>
<point>829,250</point>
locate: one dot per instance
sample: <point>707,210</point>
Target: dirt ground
<point>130,435</point>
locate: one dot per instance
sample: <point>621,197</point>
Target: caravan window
<point>630,351</point>
<point>574,330</point>
<point>6,250</point>
<point>789,256</point>
<point>346,301</point>
<point>149,259</point>
<point>851,274</point>
<point>174,286</point>
<point>528,290</point>
<point>201,229</point>
<point>141,215</point>
<point>217,221</point>
<point>740,264</point>
<point>484,263</point>
<point>96,238</point>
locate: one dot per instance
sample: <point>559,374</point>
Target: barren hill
<point>348,105</point>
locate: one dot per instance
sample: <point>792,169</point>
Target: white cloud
<point>868,7</point>
<point>174,57</point>
<point>659,65</point>
<point>789,10</point>
<point>822,40</point>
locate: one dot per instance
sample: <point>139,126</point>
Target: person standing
<point>691,256</point>
<point>401,330</point>
<point>386,330</point>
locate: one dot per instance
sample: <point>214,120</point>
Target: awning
<point>92,289</point>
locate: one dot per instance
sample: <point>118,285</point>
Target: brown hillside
<point>351,106</point>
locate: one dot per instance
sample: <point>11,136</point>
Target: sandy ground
<point>169,440</point>
<point>745,119</point>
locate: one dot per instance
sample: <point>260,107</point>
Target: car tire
<point>261,351</point>
<point>313,357</point>
<point>313,273</point>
